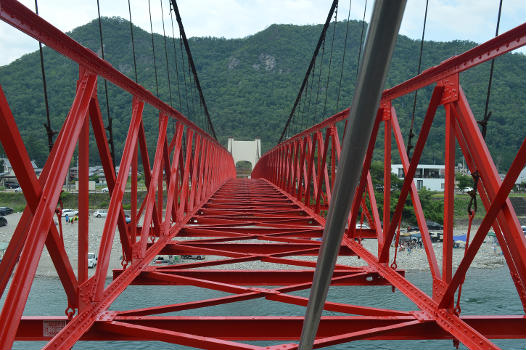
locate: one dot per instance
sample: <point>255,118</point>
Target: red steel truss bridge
<point>261,236</point>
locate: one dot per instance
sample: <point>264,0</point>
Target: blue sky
<point>447,19</point>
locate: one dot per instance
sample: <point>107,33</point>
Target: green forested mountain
<point>250,84</point>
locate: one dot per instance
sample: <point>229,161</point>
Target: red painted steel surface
<point>254,233</point>
<point>304,167</point>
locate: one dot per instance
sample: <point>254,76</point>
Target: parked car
<point>194,257</point>
<point>162,259</point>
<point>100,213</point>
<point>69,212</point>
<point>435,226</point>
<point>5,211</point>
<point>436,236</point>
<point>105,190</point>
<point>92,260</point>
<point>3,221</point>
<point>18,189</point>
<point>362,226</point>
<point>436,231</point>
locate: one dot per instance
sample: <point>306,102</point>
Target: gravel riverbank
<point>489,256</point>
<point>70,234</point>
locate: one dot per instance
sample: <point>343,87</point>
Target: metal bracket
<point>107,316</point>
<point>439,288</point>
<point>451,88</point>
<point>386,110</point>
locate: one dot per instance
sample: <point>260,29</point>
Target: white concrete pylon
<point>249,151</point>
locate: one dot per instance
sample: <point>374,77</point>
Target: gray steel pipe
<point>379,46</point>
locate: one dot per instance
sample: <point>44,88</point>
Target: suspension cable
<point>192,66</point>
<point>330,62</point>
<point>192,91</point>
<point>299,115</point>
<point>133,42</point>
<point>314,55</point>
<point>187,81</point>
<point>343,56</point>
<point>319,83</point>
<point>175,59</point>
<point>361,41</point>
<point>49,130</point>
<point>184,76</point>
<point>306,103</point>
<point>293,127</point>
<point>166,56</point>
<point>310,92</point>
<point>194,105</point>
<point>203,119</point>
<point>472,206</point>
<point>109,128</point>
<point>411,134</point>
<point>484,122</point>
<point>303,104</point>
<point>153,50</point>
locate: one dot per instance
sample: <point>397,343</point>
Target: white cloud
<point>447,19</point>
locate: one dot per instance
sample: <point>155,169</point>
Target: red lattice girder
<point>275,220</point>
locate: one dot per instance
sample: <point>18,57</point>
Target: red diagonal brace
<point>43,217</point>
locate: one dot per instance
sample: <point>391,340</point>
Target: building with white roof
<point>427,176</point>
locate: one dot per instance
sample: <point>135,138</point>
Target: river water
<point>486,291</point>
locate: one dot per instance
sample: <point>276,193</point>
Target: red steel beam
<point>460,125</point>
<point>103,146</point>
<point>491,181</point>
<point>43,215</point>
<point>280,327</point>
<point>83,226</point>
<point>445,318</point>
<point>94,296</point>
<point>176,337</point>
<point>500,222</point>
<point>419,212</point>
<point>150,211</point>
<point>115,201</point>
<point>449,197</point>
<point>250,209</point>
<point>256,277</point>
<point>506,42</point>
<point>13,146</point>
<point>408,179</point>
<point>22,18</point>
<point>80,324</point>
<point>245,248</point>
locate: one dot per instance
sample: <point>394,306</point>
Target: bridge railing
<point>304,166</point>
<point>187,167</point>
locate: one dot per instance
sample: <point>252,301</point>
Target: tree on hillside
<point>464,181</point>
<point>250,85</point>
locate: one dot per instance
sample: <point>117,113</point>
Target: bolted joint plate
<point>385,106</point>
<point>106,316</point>
<point>451,89</point>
